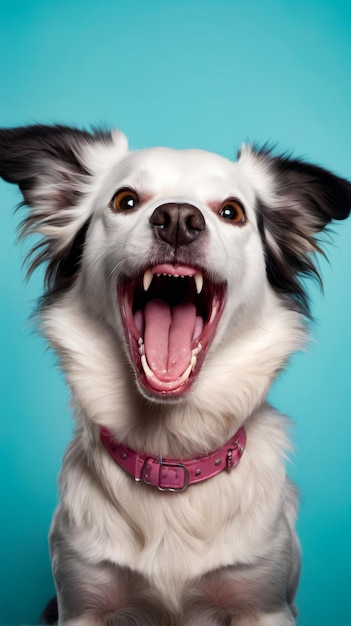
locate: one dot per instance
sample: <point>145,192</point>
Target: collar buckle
<point>233,460</point>
<point>166,476</point>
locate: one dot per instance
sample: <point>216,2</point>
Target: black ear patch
<point>321,193</point>
<point>305,199</point>
<point>49,165</point>
<point>31,156</point>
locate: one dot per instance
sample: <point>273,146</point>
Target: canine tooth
<point>199,281</point>
<point>197,350</point>
<point>185,376</point>
<point>147,279</point>
<point>193,362</point>
<point>149,373</point>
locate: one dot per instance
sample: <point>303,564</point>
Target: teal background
<point>184,74</point>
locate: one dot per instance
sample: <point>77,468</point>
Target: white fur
<point>172,540</point>
<point>223,551</point>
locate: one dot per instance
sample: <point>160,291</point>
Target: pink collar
<point>174,474</point>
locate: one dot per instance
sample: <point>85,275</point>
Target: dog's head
<point>178,252</point>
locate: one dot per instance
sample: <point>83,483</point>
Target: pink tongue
<point>168,337</point>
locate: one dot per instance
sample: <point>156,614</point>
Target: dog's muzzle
<point>171,310</point>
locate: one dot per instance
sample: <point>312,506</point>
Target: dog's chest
<point>173,538</point>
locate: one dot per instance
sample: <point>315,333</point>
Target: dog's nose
<point>178,224</point>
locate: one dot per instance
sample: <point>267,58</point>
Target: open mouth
<point>170,315</point>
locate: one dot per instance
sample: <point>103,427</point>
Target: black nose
<point>178,224</point>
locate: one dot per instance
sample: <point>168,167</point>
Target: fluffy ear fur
<point>299,201</point>
<point>54,166</point>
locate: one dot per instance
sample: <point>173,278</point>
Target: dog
<point>173,297</point>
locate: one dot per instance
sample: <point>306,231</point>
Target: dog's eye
<point>233,211</point>
<point>124,200</point>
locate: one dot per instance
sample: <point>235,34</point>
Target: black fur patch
<point>46,162</point>
<point>50,613</point>
<point>61,271</point>
<point>27,152</point>
<point>306,199</point>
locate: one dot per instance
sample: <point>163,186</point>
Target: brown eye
<point>233,211</point>
<point>124,200</point>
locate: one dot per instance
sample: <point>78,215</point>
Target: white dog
<point>173,299</point>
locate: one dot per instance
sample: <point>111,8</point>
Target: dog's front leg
<point>107,595</point>
<point>248,595</point>
<point>93,592</point>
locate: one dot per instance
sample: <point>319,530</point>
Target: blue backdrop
<point>185,74</point>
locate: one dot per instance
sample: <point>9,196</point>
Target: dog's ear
<point>295,202</point>
<point>54,167</point>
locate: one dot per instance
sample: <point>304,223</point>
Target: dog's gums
<point>170,315</point>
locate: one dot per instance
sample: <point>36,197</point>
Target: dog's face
<point>174,255</point>
<point>178,252</point>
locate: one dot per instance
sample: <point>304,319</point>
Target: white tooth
<point>186,374</point>
<point>149,373</point>
<point>193,362</point>
<point>199,281</point>
<point>197,350</point>
<point>147,279</point>
<point>141,346</point>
